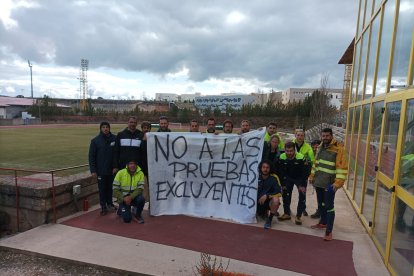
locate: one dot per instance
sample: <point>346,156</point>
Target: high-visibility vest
<point>330,166</point>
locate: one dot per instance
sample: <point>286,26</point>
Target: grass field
<point>47,147</point>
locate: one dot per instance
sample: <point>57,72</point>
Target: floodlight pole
<point>31,78</point>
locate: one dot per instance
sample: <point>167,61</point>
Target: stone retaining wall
<point>36,199</point>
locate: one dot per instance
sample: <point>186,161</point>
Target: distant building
<point>264,98</point>
<point>260,98</point>
<point>166,97</point>
<point>172,97</point>
<point>222,102</point>
<point>12,107</point>
<point>188,97</point>
<point>299,94</point>
<point>275,96</point>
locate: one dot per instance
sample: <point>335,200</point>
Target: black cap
<point>104,124</point>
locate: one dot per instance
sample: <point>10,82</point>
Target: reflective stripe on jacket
<point>330,166</point>
<point>125,183</point>
<point>292,170</point>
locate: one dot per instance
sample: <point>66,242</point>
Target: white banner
<point>204,175</point>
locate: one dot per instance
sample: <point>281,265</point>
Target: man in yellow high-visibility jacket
<point>128,189</point>
<point>328,174</point>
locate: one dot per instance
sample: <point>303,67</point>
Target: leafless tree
<point>321,110</point>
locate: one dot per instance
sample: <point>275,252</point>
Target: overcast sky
<point>138,48</point>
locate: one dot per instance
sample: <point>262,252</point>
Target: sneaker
<point>298,221</point>
<point>305,213</point>
<point>268,224</point>
<point>104,211</point>
<point>319,226</point>
<point>316,215</point>
<point>284,217</point>
<point>140,219</point>
<point>328,236</point>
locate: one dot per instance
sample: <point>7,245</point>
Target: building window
<point>372,58</point>
<point>401,242</point>
<point>363,65</point>
<point>389,141</point>
<point>361,153</point>
<point>355,72</point>
<point>403,42</point>
<point>361,16</point>
<point>407,155</point>
<point>372,160</point>
<point>385,46</point>
<point>382,208</point>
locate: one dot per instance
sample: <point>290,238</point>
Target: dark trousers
<point>287,190</point>
<point>125,210</point>
<point>105,189</point>
<point>326,200</point>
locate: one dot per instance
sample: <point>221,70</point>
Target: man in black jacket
<point>129,145</point>
<point>292,173</point>
<point>100,165</point>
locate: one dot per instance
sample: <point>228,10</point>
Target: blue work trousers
<point>287,189</point>
<point>326,198</point>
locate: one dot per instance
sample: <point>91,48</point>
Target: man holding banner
<point>268,193</point>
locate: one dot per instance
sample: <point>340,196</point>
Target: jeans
<point>125,210</point>
<point>326,200</point>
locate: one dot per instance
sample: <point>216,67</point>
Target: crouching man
<point>128,189</point>
<point>268,193</point>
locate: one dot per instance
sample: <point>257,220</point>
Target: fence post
<point>53,198</point>
<point>17,202</point>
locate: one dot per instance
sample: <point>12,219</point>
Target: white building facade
<point>223,101</point>
<point>166,97</point>
<point>172,97</point>
<point>299,94</point>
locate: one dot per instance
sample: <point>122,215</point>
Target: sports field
<point>47,147</point>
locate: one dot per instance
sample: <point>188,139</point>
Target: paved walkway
<point>116,252</point>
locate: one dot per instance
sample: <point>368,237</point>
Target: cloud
<point>277,44</point>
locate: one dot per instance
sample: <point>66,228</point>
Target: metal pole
<point>53,198</point>
<point>31,77</point>
<point>17,201</point>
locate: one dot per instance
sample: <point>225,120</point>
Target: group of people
<point>322,164</point>
<point>120,165</point>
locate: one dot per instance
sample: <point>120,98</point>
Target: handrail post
<point>53,198</point>
<point>17,202</point>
